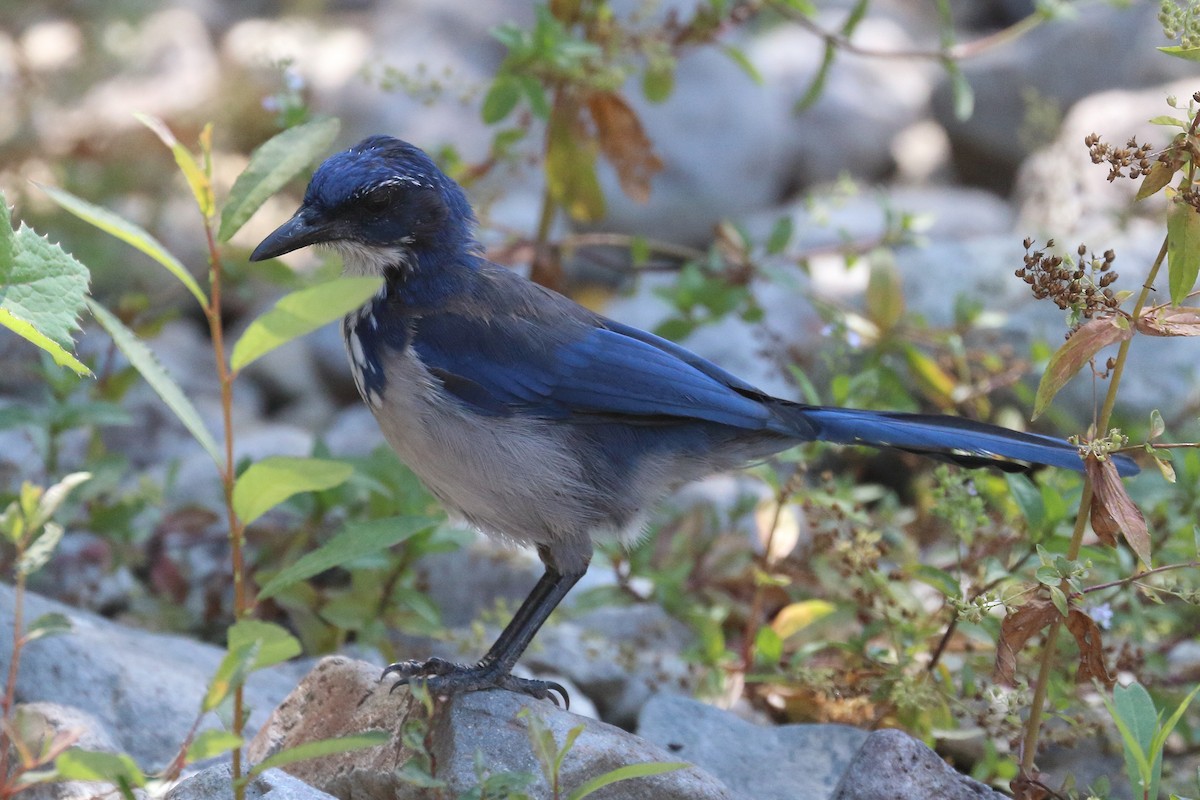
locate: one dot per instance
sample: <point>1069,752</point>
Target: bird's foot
<point>440,676</point>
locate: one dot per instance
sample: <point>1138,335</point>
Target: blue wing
<point>560,361</point>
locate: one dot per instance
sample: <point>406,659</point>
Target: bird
<point>541,422</point>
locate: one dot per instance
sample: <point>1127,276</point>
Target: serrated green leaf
<point>211,743</point>
<point>57,352</point>
<point>322,747</point>
<point>91,765</point>
<point>300,312</point>
<point>354,541</point>
<point>230,674</point>
<point>500,99</point>
<point>50,624</point>
<point>275,644</point>
<point>40,283</point>
<point>625,773</point>
<point>269,482</point>
<point>1188,54</point>
<point>127,232</point>
<point>1183,250</point>
<point>272,165</point>
<point>144,361</point>
<point>198,179</point>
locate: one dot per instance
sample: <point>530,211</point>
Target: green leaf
<point>57,352</point>
<point>92,765</point>
<point>210,743</point>
<point>127,232</point>
<point>50,624</point>
<point>1183,250</point>
<point>272,165</point>
<point>1189,54</point>
<point>144,361</point>
<point>300,312</point>
<point>322,747</point>
<point>230,674</point>
<point>768,645</point>
<point>501,99</point>
<point>40,283</point>
<point>813,93</point>
<point>1137,719</point>
<point>885,293</point>
<point>197,178</point>
<point>570,168</point>
<point>1168,120</point>
<point>275,644</point>
<point>1159,176</point>
<point>658,81</point>
<point>960,90</point>
<point>269,482</point>
<point>738,57</point>
<point>535,94</point>
<point>1089,339</point>
<point>939,579</point>
<point>40,551</point>
<point>53,498</point>
<point>356,540</point>
<point>626,773</point>
<point>781,234</point>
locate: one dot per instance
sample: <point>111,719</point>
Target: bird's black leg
<point>494,670</point>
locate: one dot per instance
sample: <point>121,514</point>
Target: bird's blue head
<point>383,204</point>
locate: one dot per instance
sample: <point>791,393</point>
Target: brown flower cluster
<point>1133,156</point>
<point>1084,285</point>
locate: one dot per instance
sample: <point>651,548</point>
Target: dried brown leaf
<point>1084,343</point>
<point>624,143</point>
<point>1171,322</point>
<point>1113,512</point>
<point>1092,666</point>
<point>1016,629</point>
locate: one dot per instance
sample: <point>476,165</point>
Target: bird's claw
<point>440,676</point>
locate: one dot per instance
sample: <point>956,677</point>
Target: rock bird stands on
<point>537,420</point>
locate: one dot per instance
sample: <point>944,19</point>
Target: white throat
<point>361,259</point>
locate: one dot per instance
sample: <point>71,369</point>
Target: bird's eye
<point>378,201</point>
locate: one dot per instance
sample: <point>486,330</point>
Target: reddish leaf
<point>1085,342</point>
<point>1113,511</point>
<point>624,143</point>
<point>1018,627</point>
<point>1091,649</point>
<point>1171,322</point>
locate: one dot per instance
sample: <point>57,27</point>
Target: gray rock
<point>1061,62</point>
<point>891,765</point>
<point>341,696</point>
<point>1061,193</point>
<point>619,656</point>
<point>216,783</point>
<point>788,761</point>
<point>143,688</point>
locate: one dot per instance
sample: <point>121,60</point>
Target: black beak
<point>301,230</point>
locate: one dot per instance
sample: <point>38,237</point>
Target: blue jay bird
<point>537,420</point>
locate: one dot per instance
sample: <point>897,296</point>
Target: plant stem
<point>10,685</point>
<point>1033,724</point>
<point>236,530</point>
